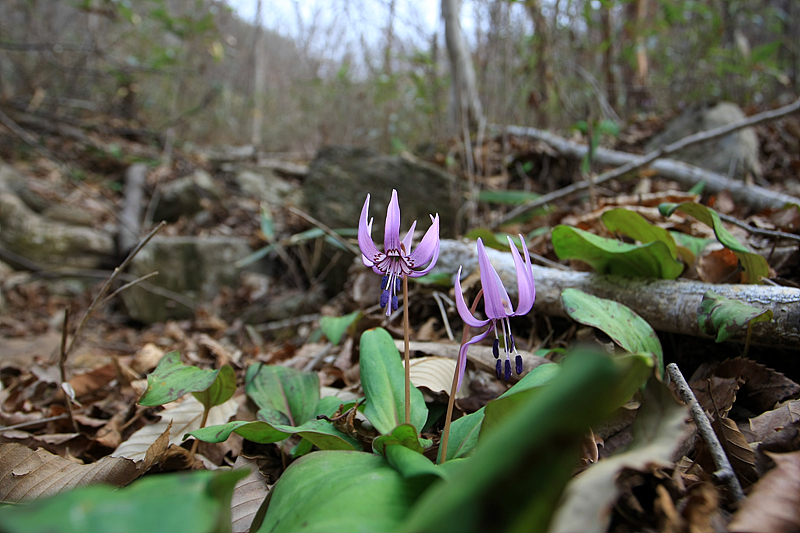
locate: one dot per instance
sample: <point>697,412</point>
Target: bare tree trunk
<point>608,55</point>
<point>464,102</point>
<point>544,69</point>
<point>637,81</point>
<point>388,71</point>
<point>258,81</point>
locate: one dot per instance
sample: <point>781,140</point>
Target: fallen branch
<point>667,305</point>
<point>758,198</point>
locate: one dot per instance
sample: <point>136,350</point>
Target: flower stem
<point>452,399</point>
<point>406,329</point>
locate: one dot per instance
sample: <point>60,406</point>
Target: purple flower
<point>498,309</point>
<point>397,259</point>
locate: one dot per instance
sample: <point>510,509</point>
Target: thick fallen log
<point>667,305</point>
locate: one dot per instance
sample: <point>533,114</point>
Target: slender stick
<point>196,442</point>
<point>407,350</point>
<point>62,367</point>
<point>642,161</point>
<point>724,471</point>
<point>454,389</point>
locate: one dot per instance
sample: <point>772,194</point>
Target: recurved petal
<point>463,308</point>
<point>368,248</point>
<point>409,238</point>
<point>391,232</point>
<point>462,353</point>
<point>428,250</point>
<point>525,286</point>
<point>495,297</point>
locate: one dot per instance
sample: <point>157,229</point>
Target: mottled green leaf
<point>172,380</point>
<point>291,395</point>
<point>635,226</point>
<point>720,316</point>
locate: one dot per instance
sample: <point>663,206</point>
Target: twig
<point>107,285</point>
<point>438,297</point>
<point>643,161</point>
<point>724,471</point>
<point>62,364</point>
<point>35,422</point>
<point>129,285</point>
<point>326,229</point>
<point>758,231</point>
<point>287,323</point>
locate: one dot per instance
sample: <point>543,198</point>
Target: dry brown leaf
<point>762,386</point>
<point>766,424</point>
<point>716,394</point>
<point>27,474</point>
<point>90,382</point>
<point>248,495</point>
<point>147,358</point>
<point>774,504</point>
<point>436,374</point>
<point>718,266</point>
<point>184,418</point>
<point>738,450</point>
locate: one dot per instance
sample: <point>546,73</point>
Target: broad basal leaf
<point>383,381</point>
<point>290,394</point>
<point>199,502</point>
<point>755,266</point>
<point>172,380</point>
<point>618,321</point>
<point>723,317</point>
<point>609,256</point>
<point>332,491</point>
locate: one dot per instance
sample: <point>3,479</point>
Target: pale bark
<point>667,305</point>
<point>465,103</point>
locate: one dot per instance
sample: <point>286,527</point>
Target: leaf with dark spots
<point>172,379</point>
<point>723,317</point>
<point>287,391</point>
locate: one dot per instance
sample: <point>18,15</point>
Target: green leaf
<point>267,226</point>
<point>334,327</point>
<point>693,244</point>
<point>755,266</point>
<point>634,225</point>
<point>192,503</point>
<point>720,316</point>
<point>657,430</point>
<point>507,197</point>
<point>319,432</point>
<point>221,390</point>
<point>489,239</point>
<point>464,432</point>
<point>516,476</point>
<point>289,393</point>
<point>411,464</point>
<point>172,379</point>
<point>618,321</point>
<point>340,491</point>
<point>404,435</point>
<point>383,381</point>
<point>608,256</point>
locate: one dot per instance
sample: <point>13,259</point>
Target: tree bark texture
<point>464,103</point>
<point>667,305</point>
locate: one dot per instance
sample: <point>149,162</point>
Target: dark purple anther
<point>511,346</point>
<point>496,349</point>
<point>395,303</point>
<point>519,364</point>
<point>384,281</point>
<point>507,375</point>
<point>498,369</point>
<point>384,298</point>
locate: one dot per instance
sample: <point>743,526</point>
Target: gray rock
<point>51,243</point>
<point>339,179</point>
<point>193,267</point>
<point>264,185</point>
<point>735,155</point>
<point>182,197</point>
